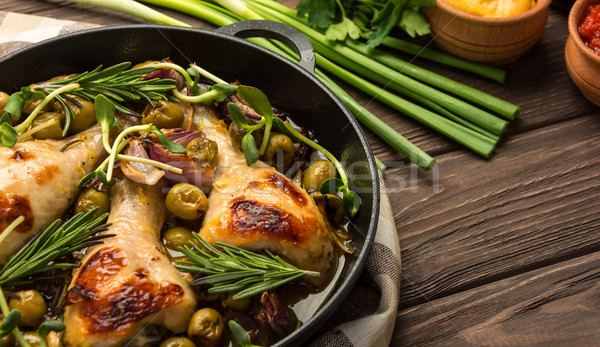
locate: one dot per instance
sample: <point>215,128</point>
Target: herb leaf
<point>351,201</point>
<point>240,335</point>
<point>237,116</point>
<point>385,22</point>
<point>223,91</point>
<point>170,145</point>
<point>8,134</point>
<point>105,112</point>
<point>414,23</point>
<point>331,185</point>
<point>249,148</point>
<point>257,100</point>
<point>10,322</point>
<point>46,327</point>
<point>339,31</point>
<point>320,12</point>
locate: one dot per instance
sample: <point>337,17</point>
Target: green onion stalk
<point>470,125</point>
<point>220,17</point>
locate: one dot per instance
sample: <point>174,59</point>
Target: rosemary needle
<point>57,241</point>
<point>232,269</point>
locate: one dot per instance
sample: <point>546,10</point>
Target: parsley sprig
<point>373,19</point>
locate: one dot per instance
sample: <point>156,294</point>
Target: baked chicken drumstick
<point>127,282</point>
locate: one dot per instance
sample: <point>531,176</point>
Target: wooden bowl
<point>582,63</point>
<point>495,41</point>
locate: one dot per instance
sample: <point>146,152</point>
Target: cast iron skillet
<point>289,86</point>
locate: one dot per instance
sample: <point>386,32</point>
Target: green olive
<point>3,100</point>
<point>204,296</point>
<point>336,209</point>
<point>177,237</point>
<point>91,198</point>
<point>32,306</point>
<point>204,150</point>
<point>317,173</point>
<point>238,305</point>
<point>52,125</point>
<point>280,150</point>
<point>85,115</point>
<point>206,327</point>
<point>177,342</point>
<point>32,338</point>
<point>186,201</point>
<point>237,134</point>
<point>7,340</point>
<point>163,114</point>
<point>145,64</point>
<point>30,105</point>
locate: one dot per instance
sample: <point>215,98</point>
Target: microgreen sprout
<point>105,116</point>
<point>46,327</point>
<point>120,143</point>
<point>351,200</point>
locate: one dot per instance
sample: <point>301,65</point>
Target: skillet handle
<point>275,30</point>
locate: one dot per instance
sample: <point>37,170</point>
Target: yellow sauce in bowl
<point>492,8</point>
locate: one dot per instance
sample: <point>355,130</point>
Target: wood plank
<point>470,222</point>
<point>557,305</point>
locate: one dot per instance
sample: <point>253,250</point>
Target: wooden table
<point>495,252</point>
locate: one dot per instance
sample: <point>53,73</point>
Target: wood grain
<point>557,305</point>
<point>537,201</point>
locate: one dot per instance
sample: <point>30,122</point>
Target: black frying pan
<point>291,87</point>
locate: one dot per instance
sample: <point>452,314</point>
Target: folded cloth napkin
<point>367,315</point>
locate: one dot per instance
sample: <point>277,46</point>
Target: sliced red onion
<point>165,73</point>
<point>138,172</point>
<point>182,137</point>
<point>194,171</point>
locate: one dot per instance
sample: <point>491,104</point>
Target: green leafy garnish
<point>249,148</point>
<point>259,102</point>
<point>117,84</point>
<point>8,134</point>
<point>414,23</point>
<point>339,31</point>
<point>10,322</point>
<point>320,12</point>
<point>240,335</point>
<point>16,101</point>
<point>46,327</point>
<point>170,145</point>
<point>351,200</point>
<point>232,269</point>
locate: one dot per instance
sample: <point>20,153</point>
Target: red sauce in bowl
<point>589,30</point>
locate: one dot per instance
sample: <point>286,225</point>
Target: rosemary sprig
<point>57,241</point>
<point>232,269</point>
<point>117,84</point>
